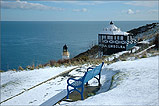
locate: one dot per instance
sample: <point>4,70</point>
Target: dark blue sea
<point>36,42</point>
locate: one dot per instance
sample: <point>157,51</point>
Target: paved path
<point>53,100</point>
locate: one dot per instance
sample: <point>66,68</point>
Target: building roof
<point>65,47</point>
<point>113,30</point>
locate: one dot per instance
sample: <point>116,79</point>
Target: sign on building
<point>112,40</point>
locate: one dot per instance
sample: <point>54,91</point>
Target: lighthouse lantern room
<point>65,54</point>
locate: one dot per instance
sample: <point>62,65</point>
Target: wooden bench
<point>79,83</point>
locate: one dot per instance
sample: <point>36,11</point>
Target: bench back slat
<point>89,76</point>
<point>92,73</point>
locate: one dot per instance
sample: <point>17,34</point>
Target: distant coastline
<point>83,21</point>
<point>93,51</point>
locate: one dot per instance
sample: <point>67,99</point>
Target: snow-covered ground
<point>136,84</point>
<point>147,35</point>
<point>13,82</point>
<point>145,50</point>
<point>117,55</point>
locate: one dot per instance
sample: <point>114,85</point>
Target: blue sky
<point>79,10</point>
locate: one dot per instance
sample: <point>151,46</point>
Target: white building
<point>112,40</point>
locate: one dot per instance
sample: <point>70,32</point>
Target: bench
<point>79,83</point>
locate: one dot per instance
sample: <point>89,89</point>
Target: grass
<point>2,71</point>
<point>89,57</point>
<point>88,91</point>
<point>144,56</point>
<point>20,68</point>
<point>117,79</point>
<point>9,83</point>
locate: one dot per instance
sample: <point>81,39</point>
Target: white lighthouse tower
<point>65,54</point>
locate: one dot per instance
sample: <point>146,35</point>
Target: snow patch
<point>139,85</point>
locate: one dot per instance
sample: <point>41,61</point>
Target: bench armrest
<point>89,68</point>
<point>76,83</point>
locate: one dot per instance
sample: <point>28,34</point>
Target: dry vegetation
<point>89,57</point>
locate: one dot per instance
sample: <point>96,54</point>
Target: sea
<point>26,43</point>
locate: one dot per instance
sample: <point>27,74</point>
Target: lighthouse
<point>65,54</point>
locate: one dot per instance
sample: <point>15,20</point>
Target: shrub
<point>144,56</point>
<point>20,68</point>
<point>1,71</point>
<point>30,67</point>
<point>75,63</point>
<point>33,67</point>
<point>109,62</point>
<point>47,64</point>
<point>14,70</point>
<point>84,58</point>
<point>115,59</point>
<point>60,61</point>
<point>40,66</point>
<point>37,67</point>
<point>27,67</point>
<point>52,62</point>
<point>138,57</point>
<point>122,58</point>
<point>156,41</point>
<point>57,65</point>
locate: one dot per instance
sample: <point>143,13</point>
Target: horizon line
<point>79,20</point>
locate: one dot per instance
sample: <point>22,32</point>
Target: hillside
<point>136,84</point>
<point>143,33</point>
<point>135,81</point>
<point>147,33</point>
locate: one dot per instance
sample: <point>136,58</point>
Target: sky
<point>79,10</point>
